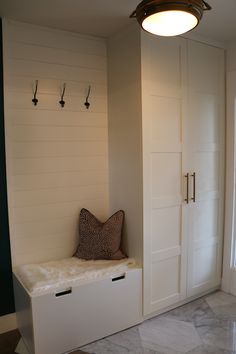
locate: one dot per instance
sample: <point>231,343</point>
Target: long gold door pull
<point>187,191</point>
<point>194,187</point>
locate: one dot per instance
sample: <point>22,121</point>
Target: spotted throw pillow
<point>99,240</point>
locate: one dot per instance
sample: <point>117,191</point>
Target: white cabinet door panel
<point>205,117</point>
<point>166,169</point>
<point>166,129</point>
<point>207,169</point>
<point>165,289</point>
<point>205,144</point>
<point>169,233</point>
<point>204,67</point>
<point>204,272</point>
<point>183,126</point>
<point>164,250</point>
<point>162,65</point>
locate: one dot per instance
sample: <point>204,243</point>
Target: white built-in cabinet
<point>166,102</point>
<point>205,145</point>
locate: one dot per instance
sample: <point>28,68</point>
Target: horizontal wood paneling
<point>56,118</point>
<point>52,149</point>
<point>57,159</point>
<point>56,195</point>
<point>55,71</point>
<point>25,166</point>
<point>40,133</point>
<point>54,55</point>
<point>58,211</point>
<point>66,226</point>
<point>42,36</point>
<point>66,240</point>
<point>45,254</point>
<point>58,180</point>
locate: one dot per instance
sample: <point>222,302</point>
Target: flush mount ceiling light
<point>169,18</point>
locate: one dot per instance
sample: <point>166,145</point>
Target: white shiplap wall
<point>57,159</point>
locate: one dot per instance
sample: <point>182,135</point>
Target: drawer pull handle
<point>187,188</point>
<point>194,187</point>
<point>118,278</point>
<point>64,292</point>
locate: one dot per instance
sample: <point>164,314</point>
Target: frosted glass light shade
<point>169,17</point>
<point>169,23</point>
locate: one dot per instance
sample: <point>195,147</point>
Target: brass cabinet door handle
<point>194,187</point>
<point>187,190</point>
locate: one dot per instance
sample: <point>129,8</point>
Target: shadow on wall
<point>7,299</point>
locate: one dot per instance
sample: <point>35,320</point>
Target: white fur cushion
<point>45,277</point>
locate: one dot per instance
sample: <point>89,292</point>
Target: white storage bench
<point>65,304</point>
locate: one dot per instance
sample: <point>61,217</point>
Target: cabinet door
<point>163,80</point>
<point>205,127</point>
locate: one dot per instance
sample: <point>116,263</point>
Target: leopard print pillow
<point>99,240</point>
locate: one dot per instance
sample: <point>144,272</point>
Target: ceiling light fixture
<point>169,18</point>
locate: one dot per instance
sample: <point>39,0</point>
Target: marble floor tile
<point>220,298</point>
<point>207,349</point>
<point>128,341</point>
<point>204,326</point>
<point>226,312</point>
<point>218,333</point>
<point>21,348</point>
<point>223,305</point>
<point>105,346</point>
<point>194,312</point>
<point>169,335</point>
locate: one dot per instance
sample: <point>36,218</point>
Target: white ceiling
<point>105,17</point>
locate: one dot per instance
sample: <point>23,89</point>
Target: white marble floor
<point>204,326</point>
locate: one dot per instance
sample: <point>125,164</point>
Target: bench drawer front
<point>76,316</point>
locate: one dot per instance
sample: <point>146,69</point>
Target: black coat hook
<point>86,103</point>
<point>62,102</point>
<point>35,100</point>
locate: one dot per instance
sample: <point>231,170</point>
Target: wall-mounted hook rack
<point>35,100</point>
<point>62,102</point>
<point>86,103</point>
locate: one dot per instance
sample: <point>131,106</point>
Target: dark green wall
<point>6,298</point>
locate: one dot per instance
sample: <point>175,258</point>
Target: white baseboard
<point>8,323</point>
<point>181,303</point>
